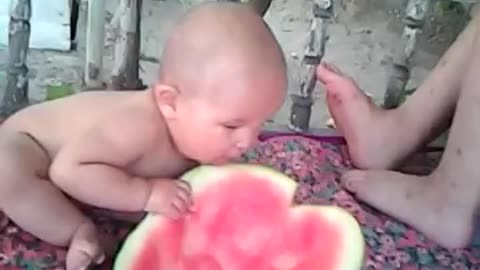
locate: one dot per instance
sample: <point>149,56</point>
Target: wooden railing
<point>16,92</point>
<point>127,50</point>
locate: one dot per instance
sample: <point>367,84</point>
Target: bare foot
<point>369,130</point>
<point>422,202</point>
<point>85,248</point>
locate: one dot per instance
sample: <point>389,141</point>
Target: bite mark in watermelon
<point>245,220</point>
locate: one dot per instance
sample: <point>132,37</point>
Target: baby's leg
<point>31,201</point>
<point>443,204</point>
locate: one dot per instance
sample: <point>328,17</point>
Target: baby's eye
<point>230,126</point>
<point>233,124</point>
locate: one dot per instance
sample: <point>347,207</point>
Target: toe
<point>352,180</point>
<point>82,255</point>
<point>77,259</point>
<point>328,74</point>
<point>365,186</point>
<point>384,190</point>
<point>334,79</point>
<point>85,248</point>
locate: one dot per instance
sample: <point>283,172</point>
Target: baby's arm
<point>90,170</point>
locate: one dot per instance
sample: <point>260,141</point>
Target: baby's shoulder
<point>132,126</point>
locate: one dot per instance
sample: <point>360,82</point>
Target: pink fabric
<point>316,165</point>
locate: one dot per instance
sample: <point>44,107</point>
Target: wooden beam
<point>16,92</point>
<point>125,72</point>
<point>302,101</point>
<point>95,45</point>
<point>415,14</point>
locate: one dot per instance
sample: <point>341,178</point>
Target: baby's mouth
<point>223,160</point>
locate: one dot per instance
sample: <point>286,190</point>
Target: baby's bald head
<point>220,41</point>
<point>222,75</point>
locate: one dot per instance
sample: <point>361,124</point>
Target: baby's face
<point>215,130</point>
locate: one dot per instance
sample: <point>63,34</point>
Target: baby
<point>222,75</point>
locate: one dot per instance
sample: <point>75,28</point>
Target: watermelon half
<point>245,220</point>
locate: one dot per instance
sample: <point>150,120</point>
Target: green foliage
<point>458,6</point>
<point>58,91</point>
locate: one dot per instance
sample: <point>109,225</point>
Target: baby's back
<point>55,122</point>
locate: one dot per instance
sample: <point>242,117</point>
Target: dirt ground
<point>363,40</point>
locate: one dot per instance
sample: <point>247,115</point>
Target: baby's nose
<point>247,142</point>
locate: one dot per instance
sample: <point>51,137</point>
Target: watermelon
<point>244,220</point>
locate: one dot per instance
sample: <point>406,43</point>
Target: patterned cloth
<point>316,166</point>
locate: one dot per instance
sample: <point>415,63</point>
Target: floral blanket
<point>316,165</point>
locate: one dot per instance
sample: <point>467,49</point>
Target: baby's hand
<point>170,197</point>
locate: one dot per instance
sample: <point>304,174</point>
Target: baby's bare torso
<point>55,123</point>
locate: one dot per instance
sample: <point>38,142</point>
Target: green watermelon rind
<point>203,176</point>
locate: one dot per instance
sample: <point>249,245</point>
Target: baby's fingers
<point>184,192</point>
<point>184,185</point>
<point>179,207</point>
<point>332,68</point>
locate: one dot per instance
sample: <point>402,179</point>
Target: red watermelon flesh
<point>245,220</point>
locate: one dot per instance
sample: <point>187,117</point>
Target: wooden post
<point>74,10</point>
<point>300,112</point>
<point>261,6</point>
<point>125,72</point>
<point>16,92</point>
<point>400,73</point>
<point>95,44</point>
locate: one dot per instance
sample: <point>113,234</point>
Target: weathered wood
<point>95,45</point>
<point>415,13</point>
<point>125,72</point>
<point>302,102</point>
<point>261,6</point>
<point>74,10</point>
<point>16,92</point>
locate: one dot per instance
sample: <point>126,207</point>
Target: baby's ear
<point>166,98</point>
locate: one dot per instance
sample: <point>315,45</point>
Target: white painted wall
<point>50,24</point>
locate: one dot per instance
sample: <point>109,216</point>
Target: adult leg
<point>381,139</point>
<point>443,204</point>
<point>37,206</point>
